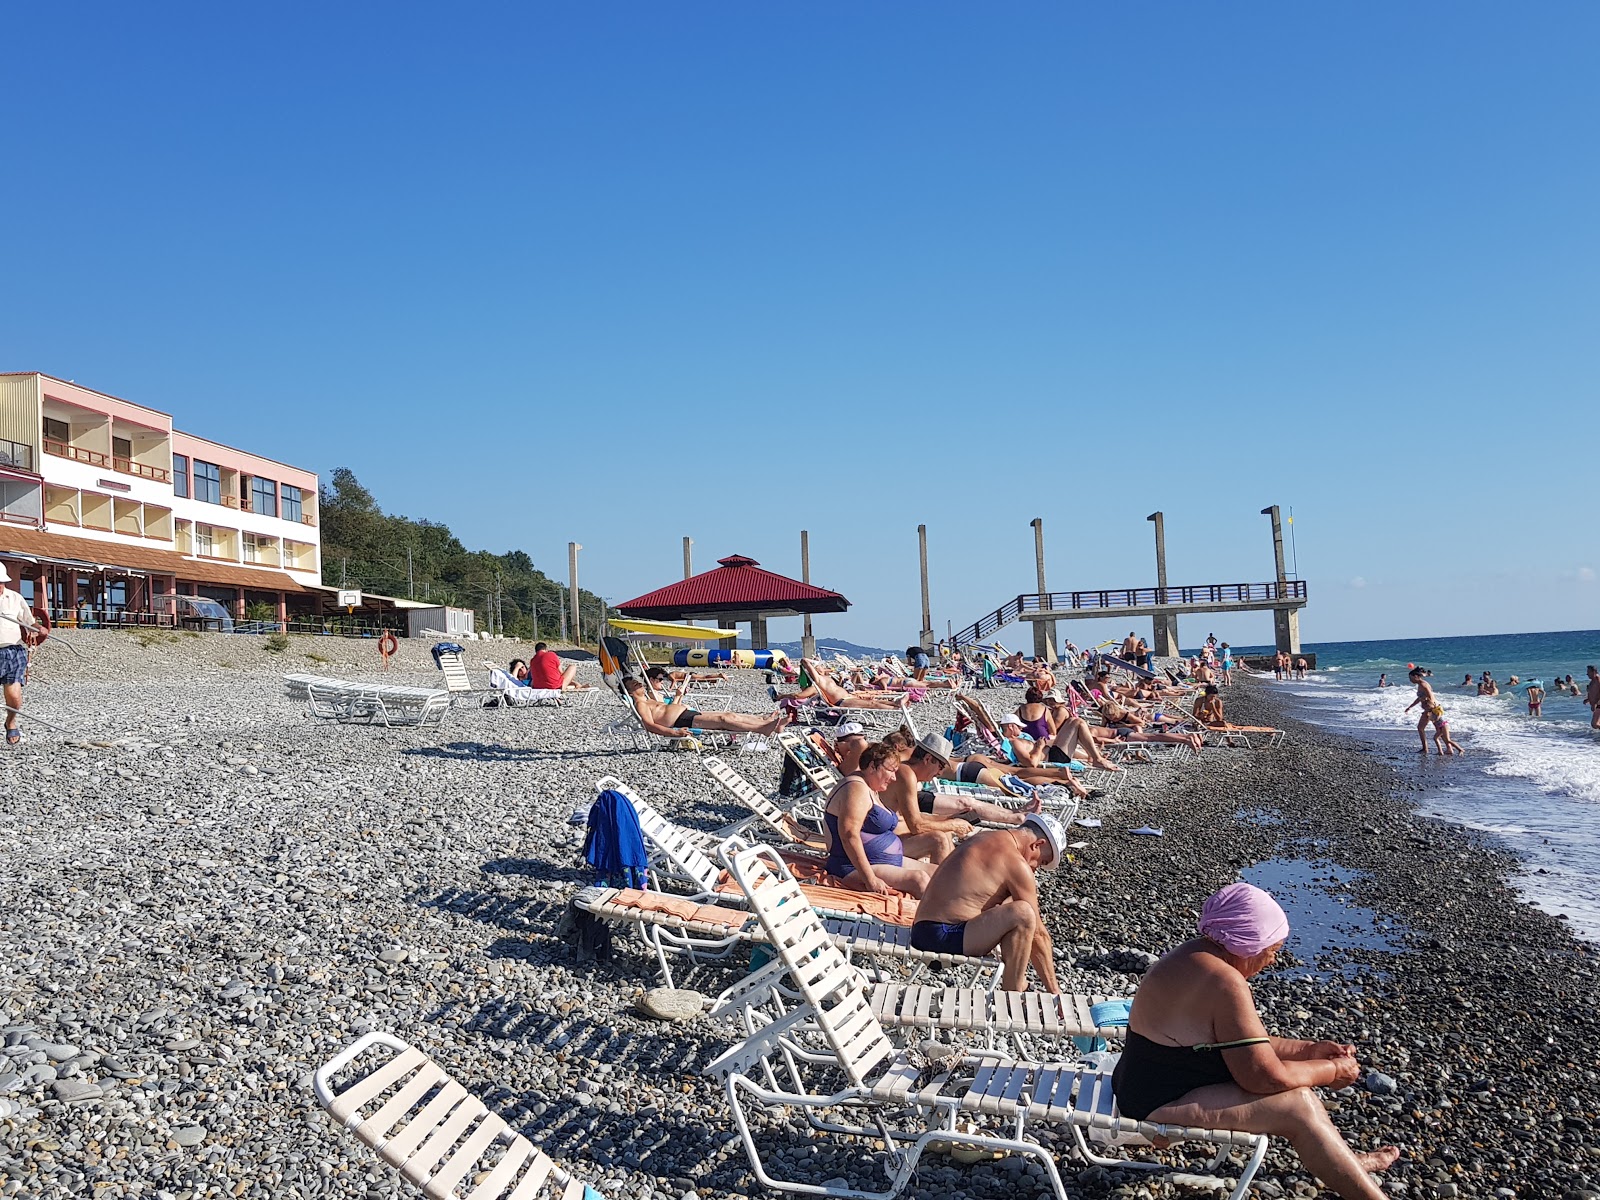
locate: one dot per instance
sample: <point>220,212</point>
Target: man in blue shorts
<point>16,619</point>
<point>984,895</point>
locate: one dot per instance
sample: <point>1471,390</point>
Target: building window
<point>57,431</point>
<point>291,503</point>
<point>264,496</point>
<point>121,448</point>
<point>180,474</point>
<point>202,539</point>
<point>207,482</point>
<point>251,550</point>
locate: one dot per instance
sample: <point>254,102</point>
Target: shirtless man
<point>921,763</point>
<point>1468,682</point>
<point>1591,697</point>
<point>984,895</point>
<point>824,688</point>
<point>675,720</point>
<point>1430,704</point>
<point>1535,700</point>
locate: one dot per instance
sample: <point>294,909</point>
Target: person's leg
<point>742,722</point>
<point>1422,731</point>
<point>1010,926</point>
<point>13,700</point>
<point>950,807</point>
<point>569,677</point>
<point>1076,734</point>
<point>934,847</point>
<point>1299,1118</point>
<point>910,877</point>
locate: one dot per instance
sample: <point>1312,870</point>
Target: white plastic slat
<point>395,1109</point>
<point>465,1158</point>
<point>517,1152</point>
<point>346,1103</point>
<point>425,1122</point>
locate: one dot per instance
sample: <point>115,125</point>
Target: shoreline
<point>208,893</point>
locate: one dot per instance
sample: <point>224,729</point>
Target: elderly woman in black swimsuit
<point>1198,1054</point>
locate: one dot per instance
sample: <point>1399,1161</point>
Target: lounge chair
<point>430,1129</point>
<point>630,729</point>
<point>789,826</point>
<point>353,702</point>
<point>516,695</point>
<point>908,1099</point>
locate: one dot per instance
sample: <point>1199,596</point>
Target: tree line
<point>367,548</point>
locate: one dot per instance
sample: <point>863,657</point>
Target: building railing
<point>16,454</point>
<point>115,462</point>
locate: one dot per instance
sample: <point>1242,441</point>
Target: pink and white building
<point>103,505</point>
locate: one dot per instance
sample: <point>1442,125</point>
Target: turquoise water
<point>1534,782</point>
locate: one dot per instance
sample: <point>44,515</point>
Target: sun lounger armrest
<point>321,1076</point>
<point>753,989</point>
<point>741,1058</point>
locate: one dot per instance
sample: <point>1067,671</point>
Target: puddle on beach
<point>1322,920</point>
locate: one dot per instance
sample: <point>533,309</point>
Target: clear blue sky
<point>624,273</point>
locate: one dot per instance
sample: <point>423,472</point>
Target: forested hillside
<point>365,547</point>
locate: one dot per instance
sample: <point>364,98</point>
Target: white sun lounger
<point>354,702</point>
<point>907,1099</point>
<point>439,1137</point>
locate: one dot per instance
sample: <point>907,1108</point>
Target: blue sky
<point>626,273</point>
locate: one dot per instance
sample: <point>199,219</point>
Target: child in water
<point>1441,730</point>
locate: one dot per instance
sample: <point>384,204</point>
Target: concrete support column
<point>1286,629</point>
<point>925,637</point>
<point>572,588</point>
<point>808,644</point>
<point>1044,632</point>
<point>758,632</point>
<point>1164,626</point>
<point>688,561</point>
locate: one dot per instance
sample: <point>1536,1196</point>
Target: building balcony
<point>16,454</point>
<point>115,462</point>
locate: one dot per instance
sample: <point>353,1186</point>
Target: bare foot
<point>1034,804</point>
<point>1378,1160</point>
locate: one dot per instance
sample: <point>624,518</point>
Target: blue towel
<point>1110,1013</point>
<point>446,648</point>
<point>614,846</point>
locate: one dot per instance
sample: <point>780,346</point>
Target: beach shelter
<point>737,591</point>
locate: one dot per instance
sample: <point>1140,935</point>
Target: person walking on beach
<point>16,623</point>
<point>1300,668</point>
<point>1590,697</point>
<point>1431,707</point>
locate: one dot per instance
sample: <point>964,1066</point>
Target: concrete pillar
<point>1164,626</point>
<point>688,562</point>
<point>1286,629</point>
<point>1044,632</point>
<point>925,638</point>
<point>572,587</point>
<point>808,644</point>
<point>758,632</point>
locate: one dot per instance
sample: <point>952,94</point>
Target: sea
<point>1533,782</point>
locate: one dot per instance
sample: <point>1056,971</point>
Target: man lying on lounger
<point>825,689</point>
<point>676,720</point>
<point>924,811</point>
<point>984,895</point>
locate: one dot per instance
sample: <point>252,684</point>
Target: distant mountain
<point>826,647</point>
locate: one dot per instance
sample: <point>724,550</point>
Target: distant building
<point>103,505</point>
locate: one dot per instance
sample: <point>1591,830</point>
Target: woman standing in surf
<point>1431,708</point>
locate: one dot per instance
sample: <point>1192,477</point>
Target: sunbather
<point>1198,1054</point>
<point>825,689</point>
<point>865,852</point>
<point>675,720</point>
<point>984,895</point>
<point>1208,711</point>
<point>1074,739</point>
<point>927,760</point>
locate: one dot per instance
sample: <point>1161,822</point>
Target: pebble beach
<point>208,894</point>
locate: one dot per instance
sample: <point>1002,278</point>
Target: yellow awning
<point>671,629</point>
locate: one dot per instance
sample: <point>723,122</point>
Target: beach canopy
<point>671,631</point>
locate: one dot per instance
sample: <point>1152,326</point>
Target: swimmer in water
<point>1535,700</point>
<point>1468,681</point>
<point>1430,704</point>
<point>1383,680</point>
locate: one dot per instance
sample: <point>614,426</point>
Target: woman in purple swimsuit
<point>864,851</point>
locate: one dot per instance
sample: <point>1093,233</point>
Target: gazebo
<point>738,591</point>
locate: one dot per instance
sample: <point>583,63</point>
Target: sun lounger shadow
<point>491,752</point>
<point>539,868</point>
<point>516,914</point>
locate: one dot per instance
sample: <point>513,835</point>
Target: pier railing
<point>1126,598</point>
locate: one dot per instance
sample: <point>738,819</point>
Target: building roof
<point>738,584</point>
<point>65,548</point>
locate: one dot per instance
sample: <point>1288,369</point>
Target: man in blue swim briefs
<point>984,895</point>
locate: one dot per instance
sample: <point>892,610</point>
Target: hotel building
<point>103,505</point>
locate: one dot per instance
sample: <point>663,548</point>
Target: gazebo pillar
<point>758,631</point>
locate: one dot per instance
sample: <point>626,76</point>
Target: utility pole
<point>1044,632</point>
<point>1165,625</point>
<point>808,644</point>
<point>562,607</point>
<point>688,565</point>
<point>572,571</point>
<point>411,580</point>
<point>925,638</point>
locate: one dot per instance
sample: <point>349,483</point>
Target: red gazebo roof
<point>737,585</point>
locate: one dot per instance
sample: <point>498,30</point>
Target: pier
<point>1163,604</point>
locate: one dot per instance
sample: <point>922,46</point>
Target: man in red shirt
<point>546,671</point>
